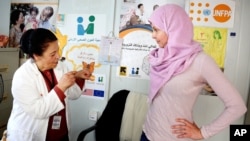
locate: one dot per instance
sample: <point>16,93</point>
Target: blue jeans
<point>144,137</point>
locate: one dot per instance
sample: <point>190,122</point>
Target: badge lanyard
<point>56,118</point>
<point>51,82</point>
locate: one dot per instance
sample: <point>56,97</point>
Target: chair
<point>117,122</point>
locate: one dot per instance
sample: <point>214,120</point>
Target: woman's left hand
<point>83,74</point>
<point>186,129</point>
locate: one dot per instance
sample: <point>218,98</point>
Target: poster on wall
<point>79,38</point>
<point>110,50</point>
<point>136,32</point>
<point>31,14</point>
<point>212,13</point>
<point>213,41</point>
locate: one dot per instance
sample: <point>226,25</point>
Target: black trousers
<point>144,137</point>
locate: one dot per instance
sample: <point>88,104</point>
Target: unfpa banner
<point>212,13</point>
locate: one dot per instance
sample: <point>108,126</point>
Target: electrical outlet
<point>93,115</point>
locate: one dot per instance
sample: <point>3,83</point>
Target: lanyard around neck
<point>51,81</point>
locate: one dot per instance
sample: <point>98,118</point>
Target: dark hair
<point>14,16</point>
<point>155,6</point>
<point>35,41</point>
<point>50,9</point>
<point>35,9</point>
<point>139,5</point>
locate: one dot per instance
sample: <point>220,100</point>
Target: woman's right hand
<point>67,80</point>
<point>186,129</point>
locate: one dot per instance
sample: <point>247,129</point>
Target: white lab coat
<point>33,105</point>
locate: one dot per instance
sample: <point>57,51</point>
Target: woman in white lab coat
<point>41,88</point>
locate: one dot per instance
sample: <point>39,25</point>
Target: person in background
<point>41,88</point>
<point>16,29</point>
<point>134,20</point>
<point>142,14</point>
<point>179,70</point>
<point>32,22</point>
<point>155,7</point>
<point>45,16</point>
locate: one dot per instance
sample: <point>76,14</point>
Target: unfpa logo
<point>81,30</point>
<point>205,12</point>
<point>222,13</point>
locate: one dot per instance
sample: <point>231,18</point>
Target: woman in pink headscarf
<point>179,70</point>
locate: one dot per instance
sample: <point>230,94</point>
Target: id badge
<point>56,122</point>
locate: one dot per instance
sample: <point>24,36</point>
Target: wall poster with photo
<point>136,32</point>
<point>27,14</point>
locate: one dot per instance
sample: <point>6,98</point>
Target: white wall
<point>237,69</point>
<point>81,107</point>
<point>5,17</point>
<point>243,65</point>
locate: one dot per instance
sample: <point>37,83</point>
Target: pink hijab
<point>178,53</point>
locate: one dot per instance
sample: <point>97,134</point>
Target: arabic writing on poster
<point>136,32</point>
<point>89,40</point>
<point>138,47</point>
<point>79,53</point>
<point>80,35</point>
<point>135,51</point>
<point>79,39</point>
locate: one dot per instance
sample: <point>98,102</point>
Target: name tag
<point>56,122</point>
